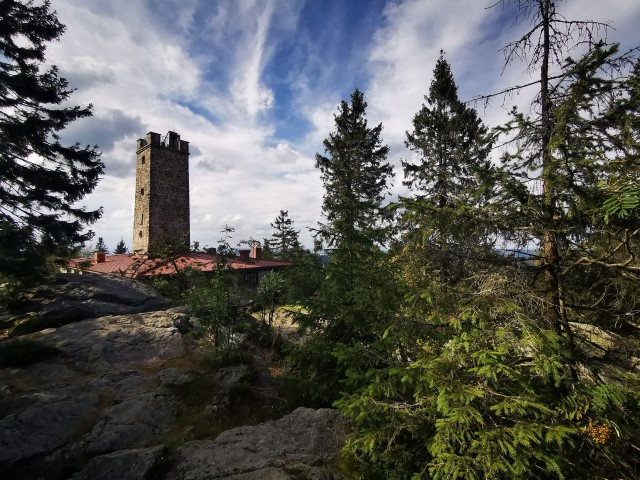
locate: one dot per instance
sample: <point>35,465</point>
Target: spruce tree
<point>357,295</point>
<point>452,146</point>
<point>101,246</point>
<point>516,393</point>
<point>451,142</point>
<point>394,411</point>
<point>121,247</point>
<point>41,179</point>
<point>529,371</point>
<point>540,179</point>
<point>267,252</point>
<point>284,241</point>
<point>355,175</point>
<point>303,277</point>
<point>580,136</point>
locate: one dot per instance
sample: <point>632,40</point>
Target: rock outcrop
<point>74,297</point>
<point>103,406</point>
<point>101,394</point>
<point>303,444</point>
<point>136,464</point>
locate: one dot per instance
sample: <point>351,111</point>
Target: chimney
<point>99,257</point>
<point>256,252</point>
<point>141,143</point>
<point>244,255</point>
<point>153,138</point>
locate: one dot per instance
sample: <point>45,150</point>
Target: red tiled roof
<point>134,265</point>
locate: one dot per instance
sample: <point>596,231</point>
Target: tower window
<point>142,191</point>
<point>140,234</point>
<point>141,218</point>
<point>143,160</point>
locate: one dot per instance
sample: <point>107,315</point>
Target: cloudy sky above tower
<point>253,86</point>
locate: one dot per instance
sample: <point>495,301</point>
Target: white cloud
<point>199,68</point>
<point>282,153</point>
<point>404,54</point>
<point>405,49</point>
<point>247,89</point>
<point>138,62</point>
<point>321,117</point>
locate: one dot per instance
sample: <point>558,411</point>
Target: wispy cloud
<point>254,85</point>
<point>247,90</point>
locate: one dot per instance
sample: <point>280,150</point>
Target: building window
<point>140,234</point>
<point>250,279</point>
<point>141,218</point>
<point>142,191</point>
<point>143,160</point>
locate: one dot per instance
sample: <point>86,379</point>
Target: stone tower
<point>162,191</point>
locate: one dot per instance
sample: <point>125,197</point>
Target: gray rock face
<point>306,440</point>
<point>47,421</point>
<point>124,383</point>
<point>75,297</point>
<point>92,397</point>
<point>135,464</point>
<point>91,410</point>
<point>264,380</point>
<point>131,422</point>
<point>263,474</point>
<point>224,380</point>
<point>172,377</point>
<point>97,343</point>
<point>227,376</point>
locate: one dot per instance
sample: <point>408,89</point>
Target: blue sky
<point>253,85</point>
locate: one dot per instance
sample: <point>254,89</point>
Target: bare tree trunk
<point>549,245</point>
<point>552,287</point>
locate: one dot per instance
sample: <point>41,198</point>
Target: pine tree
<point>41,180</point>
<point>452,146</point>
<point>101,246</point>
<point>451,142</point>
<point>267,252</point>
<point>357,296</point>
<point>284,241</point>
<point>121,247</point>
<point>355,177</point>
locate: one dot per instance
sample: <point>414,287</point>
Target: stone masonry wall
<point>141,208</point>
<point>162,192</point>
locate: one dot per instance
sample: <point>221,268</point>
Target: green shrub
<point>228,356</point>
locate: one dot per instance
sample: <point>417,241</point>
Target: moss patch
<point>196,420</point>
